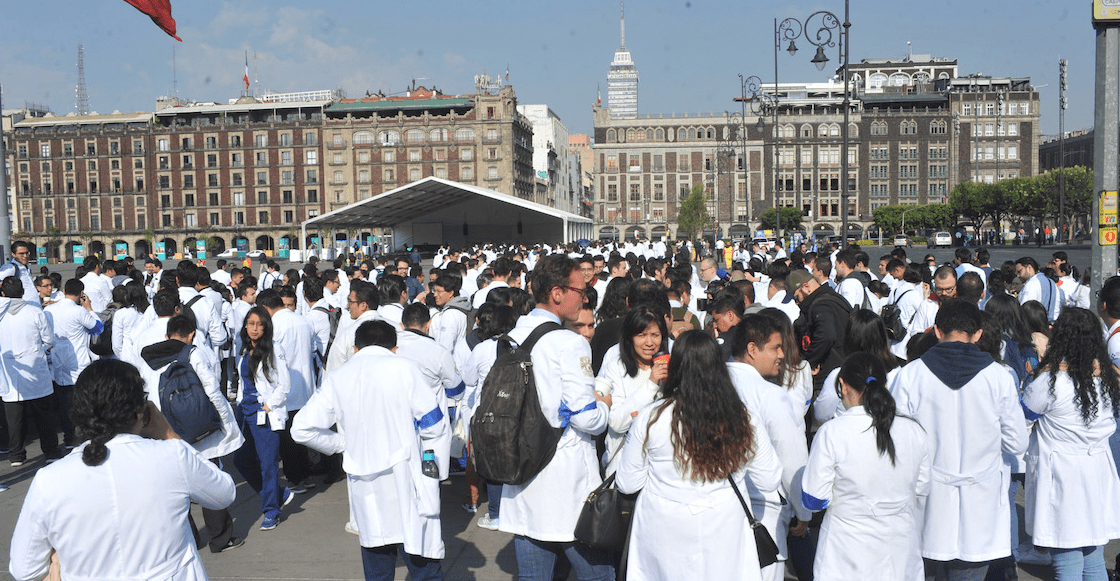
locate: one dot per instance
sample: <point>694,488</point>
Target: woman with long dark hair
<point>117,507</point>
<point>1018,348</point>
<point>1039,324</point>
<point>614,299</point>
<point>1072,489</point>
<point>633,379</point>
<point>868,467</point>
<point>685,453</point>
<point>261,413</point>
<point>127,318</point>
<point>865,333</point>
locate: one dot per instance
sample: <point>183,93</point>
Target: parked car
<point>903,240</point>
<point>255,254</point>
<point>228,253</point>
<point>940,239</point>
<point>767,244</point>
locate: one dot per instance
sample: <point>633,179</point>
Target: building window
<point>286,178</point>
<point>211,143</point>
<point>212,180</point>
<point>286,196</point>
<point>235,179</point>
<point>166,220</point>
<point>262,158</point>
<point>189,220</point>
<point>188,181</point>
<point>313,196</point>
<point>262,178</point>
<point>261,140</point>
<point>414,155</point>
<point>214,201</point>
<point>164,182</point>
<point>414,173</point>
<point>239,218</point>
<point>285,139</point>
<point>289,216</point>
<point>262,217</point>
<point>466,154</point>
<point>211,160</point>
<point>188,200</point>
<point>95,222</point>
<point>467,172</point>
<point>414,136</point>
<point>464,134</point>
<point>311,157</point>
<point>492,173</point>
<point>262,198</point>
<point>389,137</point>
<point>285,158</point>
<point>238,198</point>
<point>215,219</point>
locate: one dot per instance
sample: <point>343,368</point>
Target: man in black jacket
<point>820,327</point>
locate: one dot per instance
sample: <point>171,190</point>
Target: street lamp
<point>790,29</point>
<point>762,104</point>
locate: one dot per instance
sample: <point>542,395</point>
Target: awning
<point>439,211</point>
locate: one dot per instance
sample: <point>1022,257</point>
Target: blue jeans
<point>536,560</point>
<point>258,461</point>
<point>1084,564</point>
<point>955,570</point>
<point>1016,480</point>
<point>802,552</point>
<point>494,497</point>
<point>379,563</point>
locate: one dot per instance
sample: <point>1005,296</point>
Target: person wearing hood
<point>969,407</point>
<point>23,353</point>
<point>157,358</point>
<point>450,323</point>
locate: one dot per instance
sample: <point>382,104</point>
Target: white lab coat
<point>872,530</point>
<point>546,507</point>
<point>828,404</point>
<point>98,289</point>
<point>769,406</point>
<point>439,373</point>
<point>628,395</point>
<point>1072,490</point>
<point>799,391</point>
<point>273,392</point>
<point>967,516</point>
<point>1040,288</point>
<point>126,520</point>
<point>126,326</point>
<point>386,415</point>
<point>343,346</point>
<point>72,325</point>
<point>211,331</point>
<point>684,529</point>
<point>292,339</point>
<point>25,336</point>
<point>222,442</point>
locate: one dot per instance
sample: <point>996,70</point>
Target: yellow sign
<point>1107,236</point>
<point>1106,11</point>
<point>1107,208</point>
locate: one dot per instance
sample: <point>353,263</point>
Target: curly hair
<point>108,398</point>
<point>1076,341</point>
<point>711,430</point>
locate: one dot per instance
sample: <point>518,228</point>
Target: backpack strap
<point>541,330</point>
<point>185,354</point>
<point>191,302</point>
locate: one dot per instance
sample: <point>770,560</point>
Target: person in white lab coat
<point>865,333</point>
<point>1072,489</point>
<point>871,469</point>
<point>794,374</point>
<point>758,352</point>
<point>969,406</point>
<point>157,358</point>
<point>26,376</point>
<point>633,379</point>
<point>684,453</point>
<point>262,413</point>
<point>19,268</point>
<point>386,416</point>
<point>293,340</point>
<point>128,517</point>
<point>72,321</point>
<point>363,301</point>
<point>542,513</point>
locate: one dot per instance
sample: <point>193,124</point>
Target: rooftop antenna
<point>622,5</point>
<point>82,96</point>
<point>909,51</point>
<point>256,79</point>
<point>174,74</point>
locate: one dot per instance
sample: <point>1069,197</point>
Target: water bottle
<point>428,464</point>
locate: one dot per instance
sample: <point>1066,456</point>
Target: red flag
<point>160,13</point>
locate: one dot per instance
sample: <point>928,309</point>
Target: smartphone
<point>262,417</point>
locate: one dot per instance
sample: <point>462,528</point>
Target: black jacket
<point>820,329</point>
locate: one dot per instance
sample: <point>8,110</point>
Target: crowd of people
<point>904,400</point>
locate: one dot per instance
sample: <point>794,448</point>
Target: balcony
<point>336,145</point>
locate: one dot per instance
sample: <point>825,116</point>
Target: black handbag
<point>763,542</point>
<point>604,520</point>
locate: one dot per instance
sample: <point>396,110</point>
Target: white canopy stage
<point>439,211</point>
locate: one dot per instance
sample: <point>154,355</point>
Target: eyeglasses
<point>940,290</point>
<point>582,291</point>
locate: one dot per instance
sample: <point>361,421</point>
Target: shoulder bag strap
<point>739,495</point>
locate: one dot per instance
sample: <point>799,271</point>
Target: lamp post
<point>904,212</point>
<point>823,36</point>
<point>761,104</point>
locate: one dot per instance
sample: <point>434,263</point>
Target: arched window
<point>439,134</point>
<point>629,135</point>
<point>659,135</point>
<point>363,138</point>
<point>414,136</point>
<point>692,134</point>
<point>465,134</point>
<point>682,134</point>
<point>822,130</point>
<point>711,133</point>
<point>853,130</point>
<point>877,80</point>
<point>899,80</point>
<point>921,77</point>
<point>612,136</point>
<point>806,131</point>
<point>389,137</point>
<point>788,131</point>
<point>834,130</point>
<point>649,134</point>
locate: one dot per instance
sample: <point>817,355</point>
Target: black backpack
<point>510,437</point>
<point>892,319</point>
<point>334,316</point>
<point>184,401</point>
<point>102,343</point>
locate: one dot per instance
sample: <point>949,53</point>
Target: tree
<point>969,199</point>
<point>889,218</point>
<point>1039,199</point>
<point>930,216</point>
<point>1002,198</point>
<point>693,214</point>
<point>1079,193</point>
<point>791,218</point>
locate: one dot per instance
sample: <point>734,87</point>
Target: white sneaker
<point>1029,555</point>
<point>490,524</point>
<point>351,528</point>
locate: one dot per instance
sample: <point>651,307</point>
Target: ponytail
<point>108,400</point>
<point>867,375</point>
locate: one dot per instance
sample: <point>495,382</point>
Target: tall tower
<point>622,80</point>
<point>81,101</point>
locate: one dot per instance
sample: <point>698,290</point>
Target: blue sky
<point>687,53</point>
